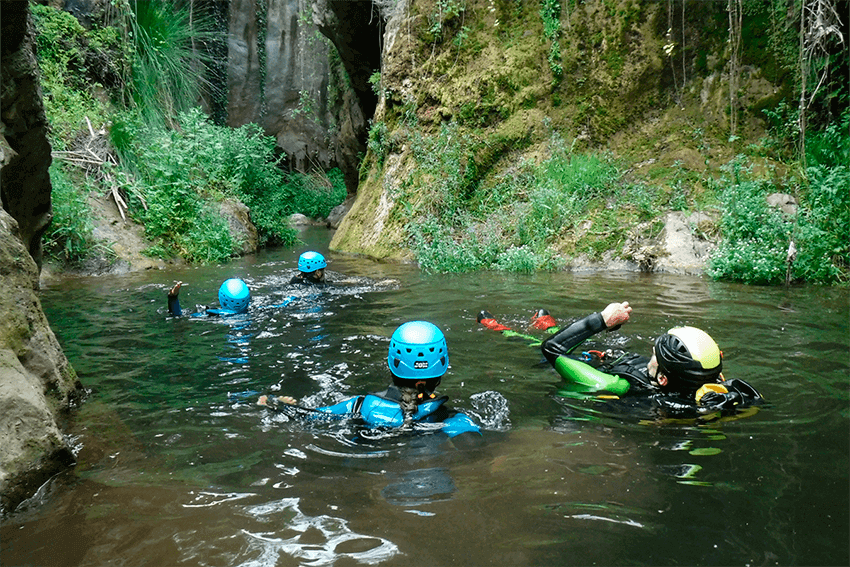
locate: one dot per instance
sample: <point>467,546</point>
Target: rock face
<point>609,85</point>
<point>282,76</point>
<point>24,149</point>
<point>682,250</point>
<point>36,382</point>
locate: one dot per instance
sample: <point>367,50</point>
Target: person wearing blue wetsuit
<point>418,357</point>
<point>682,378</point>
<point>233,297</point>
<point>311,269</point>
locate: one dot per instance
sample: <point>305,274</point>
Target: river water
<point>177,466</point>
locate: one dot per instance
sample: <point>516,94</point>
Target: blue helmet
<point>311,261</point>
<point>234,295</point>
<point>418,351</point>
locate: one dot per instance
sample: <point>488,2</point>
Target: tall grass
<point>69,236</point>
<point>510,224</point>
<point>169,66</point>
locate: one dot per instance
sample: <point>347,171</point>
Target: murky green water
<point>173,471</point>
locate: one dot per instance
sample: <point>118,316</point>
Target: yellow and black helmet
<point>689,355</point>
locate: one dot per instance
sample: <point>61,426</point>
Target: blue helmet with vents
<point>311,261</point>
<point>418,351</point>
<point>234,295</point>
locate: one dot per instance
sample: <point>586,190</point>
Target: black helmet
<point>688,355</point>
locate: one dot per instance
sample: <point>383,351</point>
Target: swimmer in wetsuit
<point>418,358</point>
<point>682,378</point>
<point>311,269</point>
<point>233,298</point>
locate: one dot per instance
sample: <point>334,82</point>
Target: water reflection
<point>312,540</point>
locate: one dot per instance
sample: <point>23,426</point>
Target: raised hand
<point>616,314</point>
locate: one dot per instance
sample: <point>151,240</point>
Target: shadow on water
<point>177,466</point>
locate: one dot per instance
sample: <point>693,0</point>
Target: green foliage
<point>447,12</point>
<point>756,237</point>
<point>168,75</point>
<point>823,236</point>
<point>315,195</point>
<point>375,81</point>
<point>379,141</point>
<point>182,170</point>
<point>550,13</point>
<point>176,215</point>
<point>175,168</point>
<point>784,127</point>
<point>306,105</point>
<point>824,225</point>
<point>208,239</point>
<point>181,175</point>
<point>68,238</point>
<point>527,259</point>
<point>447,169</point>
<point>460,225</point>
<point>65,53</point>
<point>830,147</point>
<point>438,250</point>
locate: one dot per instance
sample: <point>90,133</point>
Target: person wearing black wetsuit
<point>683,377</point>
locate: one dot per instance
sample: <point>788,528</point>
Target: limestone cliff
<point>285,76</point>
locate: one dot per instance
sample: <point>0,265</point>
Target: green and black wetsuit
<point>627,375</point>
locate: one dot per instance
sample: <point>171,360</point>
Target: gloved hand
<point>723,401</point>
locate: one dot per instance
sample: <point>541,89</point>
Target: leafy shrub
<point>831,146</point>
<point>438,249</point>
<point>755,236</point>
<point>378,142</point>
<point>315,195</point>
<point>183,172</point>
<point>823,235</point>
<point>526,259</point>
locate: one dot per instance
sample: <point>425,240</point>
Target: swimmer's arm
<point>269,401</point>
<point>174,300</point>
<point>289,406</point>
<point>566,340</point>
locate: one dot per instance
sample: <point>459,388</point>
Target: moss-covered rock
<point>627,77</point>
<point>36,381</point>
